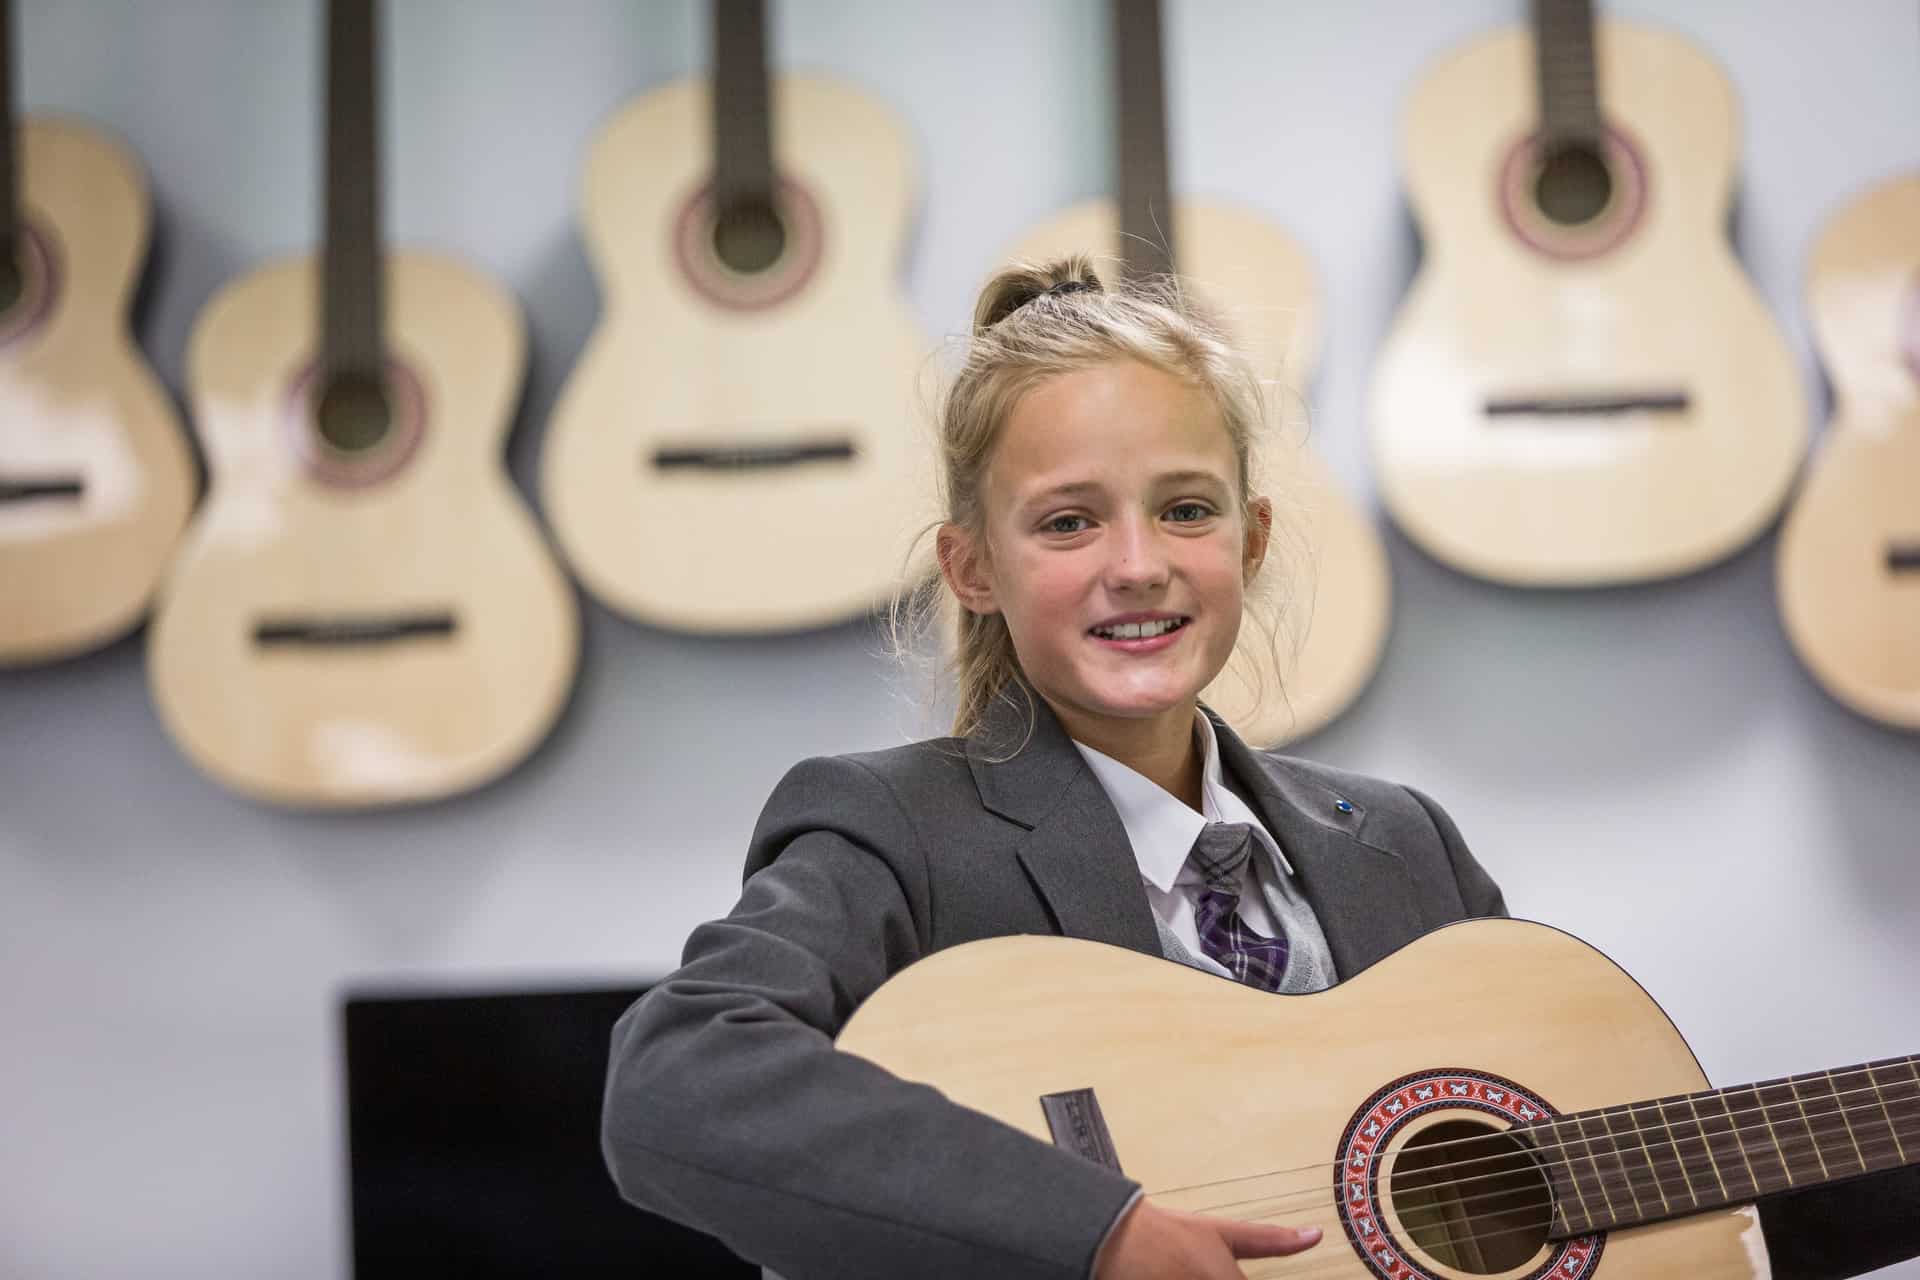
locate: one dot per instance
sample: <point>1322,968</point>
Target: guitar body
<point>691,356</point>
<point>1850,602</point>
<point>283,538</point>
<point>1263,285</point>
<point>80,407</point>
<point>1288,1083</point>
<point>1642,302</point>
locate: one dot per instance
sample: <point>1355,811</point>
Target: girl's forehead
<point>1110,425</point>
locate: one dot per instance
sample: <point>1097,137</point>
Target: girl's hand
<point>1152,1243</point>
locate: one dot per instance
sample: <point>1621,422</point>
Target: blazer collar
<point>1076,850</point>
<point>1077,853</point>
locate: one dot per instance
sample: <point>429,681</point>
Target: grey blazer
<point>727,1107</point>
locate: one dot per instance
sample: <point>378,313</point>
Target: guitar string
<point>1686,1165</point>
<point>1623,1185</point>
<point>1729,1113</point>
<point>1605,1184</point>
<point>1337,1233</point>
<point>1475,1236</point>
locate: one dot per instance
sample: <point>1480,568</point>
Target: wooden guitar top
<point>344,644</point>
<point>1849,562</point>
<point>96,480</point>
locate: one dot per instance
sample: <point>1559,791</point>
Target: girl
<point>1103,531</point>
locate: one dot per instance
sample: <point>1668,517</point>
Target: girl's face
<point>1115,547</point>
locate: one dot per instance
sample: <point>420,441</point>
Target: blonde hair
<point>1032,322</point>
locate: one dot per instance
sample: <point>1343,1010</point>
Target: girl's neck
<point>1162,748</point>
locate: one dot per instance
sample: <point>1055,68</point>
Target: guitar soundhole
<point>751,256</point>
<point>1573,186</point>
<point>357,430</point>
<point>11,278</point>
<point>29,282</point>
<point>1575,201</point>
<point>353,415</point>
<point>749,237</point>
<point>1471,1197</point>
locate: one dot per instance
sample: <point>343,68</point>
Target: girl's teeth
<point>1137,630</point>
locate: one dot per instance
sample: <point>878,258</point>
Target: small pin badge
<point>1344,806</point>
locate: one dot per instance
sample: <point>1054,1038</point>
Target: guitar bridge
<point>1077,1125</point>
<point>341,633</point>
<point>753,457</point>
<point>1589,406</point>
<point>35,490</point>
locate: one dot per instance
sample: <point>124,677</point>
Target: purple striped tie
<point>1219,852</point>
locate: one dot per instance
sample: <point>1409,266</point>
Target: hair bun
<point>1023,282</point>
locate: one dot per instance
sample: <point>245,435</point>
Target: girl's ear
<point>1259,532</point>
<point>963,565</point>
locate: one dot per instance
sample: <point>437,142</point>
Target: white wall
<point>1646,767</point>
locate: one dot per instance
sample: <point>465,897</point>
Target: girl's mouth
<point>1140,637</point>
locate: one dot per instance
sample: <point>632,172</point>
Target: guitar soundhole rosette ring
<point>719,283</point>
<point>39,269</point>
<point>1396,1112</point>
<point>406,403</point>
<point>1617,219</point>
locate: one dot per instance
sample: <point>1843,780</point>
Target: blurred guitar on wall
<point>1581,387</point>
<point>1849,564</point>
<point>739,449</point>
<point>1262,283</point>
<point>364,612</point>
<point>96,480</point>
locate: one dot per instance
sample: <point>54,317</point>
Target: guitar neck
<point>1144,185</point>
<point>351,309</point>
<point>1565,67</point>
<point>1648,1161</point>
<point>743,174</point>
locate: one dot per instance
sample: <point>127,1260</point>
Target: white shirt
<point>1162,830</point>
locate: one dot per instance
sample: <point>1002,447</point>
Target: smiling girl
<point>1102,535</point>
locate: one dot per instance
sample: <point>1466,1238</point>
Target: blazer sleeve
<point>1825,1233</point>
<point>728,1108</point>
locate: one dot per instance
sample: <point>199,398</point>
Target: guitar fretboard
<point>1565,66</point>
<point>1624,1166</point>
<point>351,339</point>
<point>1143,185</point>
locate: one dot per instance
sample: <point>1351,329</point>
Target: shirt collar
<point>1159,826</point>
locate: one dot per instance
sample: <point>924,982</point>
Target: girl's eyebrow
<point>1165,479</point>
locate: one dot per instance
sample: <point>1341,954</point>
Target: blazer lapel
<point>1076,850</point>
<point>1365,900</point>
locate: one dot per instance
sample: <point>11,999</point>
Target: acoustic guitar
<point>1849,563</point>
<point>1332,574</point>
<point>1581,386</point>
<point>1494,1099</point>
<point>96,481</point>
<point>738,449</point>
<point>364,612</point>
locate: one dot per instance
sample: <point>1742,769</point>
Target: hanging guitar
<point>96,481</point>
<point>364,611</point>
<point>738,449</point>
<point>1263,285</point>
<point>1581,387</point>
<point>1495,1099</point>
<point>1849,565</point>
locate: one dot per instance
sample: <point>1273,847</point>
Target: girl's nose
<point>1135,560</point>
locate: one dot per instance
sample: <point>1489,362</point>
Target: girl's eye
<point>1194,511</point>
<point>1055,525</point>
